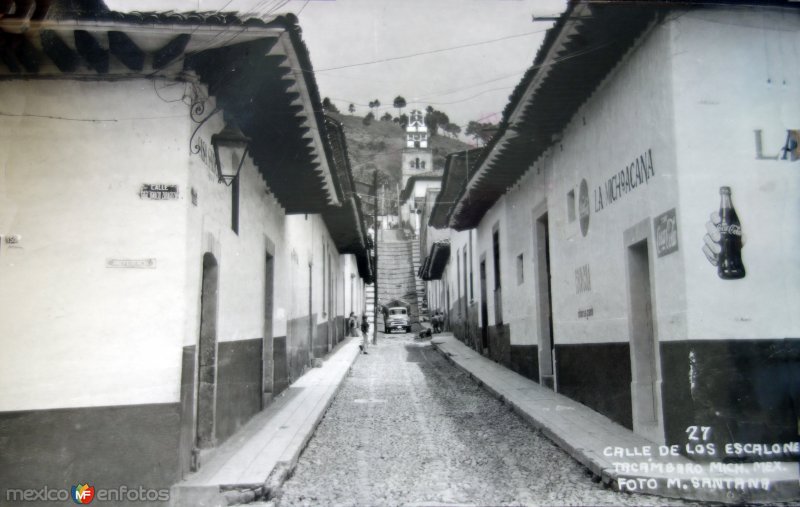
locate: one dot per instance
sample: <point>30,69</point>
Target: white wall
<point>72,162</point>
<point>748,80</point>
<point>630,114</point>
<point>77,333</point>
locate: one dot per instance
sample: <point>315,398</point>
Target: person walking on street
<point>364,332</point>
<point>352,325</point>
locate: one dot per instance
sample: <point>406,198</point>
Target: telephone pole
<point>377,228</point>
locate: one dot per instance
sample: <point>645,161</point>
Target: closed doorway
<point>645,375</point>
<point>207,354</point>
<point>484,309</point>
<point>268,347</point>
<point>544,299</point>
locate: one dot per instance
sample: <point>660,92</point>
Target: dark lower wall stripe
<point>339,326</point>
<point>324,331</point>
<point>239,378</point>
<point>280,372</point>
<point>187,429</point>
<point>525,361</point>
<point>599,376</point>
<point>298,342</point>
<point>465,326</point>
<point>135,445</point>
<point>500,344</point>
<point>746,390</point>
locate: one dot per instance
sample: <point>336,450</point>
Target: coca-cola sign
<point>666,226</point>
<point>723,242</point>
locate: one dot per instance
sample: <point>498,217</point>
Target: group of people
<point>353,325</point>
<point>437,321</point>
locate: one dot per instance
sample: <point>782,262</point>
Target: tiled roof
<point>583,46</point>
<point>458,168</point>
<point>436,261</point>
<point>258,70</point>
<point>427,176</point>
<point>346,223</point>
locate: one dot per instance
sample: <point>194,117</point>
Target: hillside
<point>380,145</point>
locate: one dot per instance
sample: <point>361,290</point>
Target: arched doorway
<point>207,354</point>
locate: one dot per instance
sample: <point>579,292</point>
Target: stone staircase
<point>397,278</point>
<point>422,301</point>
<point>370,296</point>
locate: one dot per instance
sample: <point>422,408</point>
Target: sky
<point>477,50</point>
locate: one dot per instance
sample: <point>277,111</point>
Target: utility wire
<point>302,8</point>
<point>533,67</point>
<point>433,51</point>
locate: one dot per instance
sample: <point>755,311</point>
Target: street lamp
<point>230,149</point>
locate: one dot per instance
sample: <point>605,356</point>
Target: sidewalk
<point>258,458</point>
<point>590,437</point>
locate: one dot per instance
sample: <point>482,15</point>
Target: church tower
<point>417,156</point>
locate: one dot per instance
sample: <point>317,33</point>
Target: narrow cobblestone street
<point>408,428</point>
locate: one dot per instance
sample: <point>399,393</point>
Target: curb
<point>238,494</point>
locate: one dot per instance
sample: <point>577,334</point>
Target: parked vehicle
<point>396,318</point>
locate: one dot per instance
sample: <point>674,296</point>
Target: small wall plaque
<point>131,263</point>
<point>158,192</point>
<point>666,233</point>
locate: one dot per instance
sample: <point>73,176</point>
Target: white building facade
<point>587,264</point>
<point>149,307</point>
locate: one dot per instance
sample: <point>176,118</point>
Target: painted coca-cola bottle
<point>729,264</point>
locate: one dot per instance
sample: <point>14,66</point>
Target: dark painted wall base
<point>107,447</point>
<point>500,344</point>
<point>239,379</point>
<point>339,326</point>
<point>525,361</point>
<point>290,353</point>
<point>297,344</point>
<point>599,376</point>
<point>464,326</point>
<point>280,365</point>
<point>187,424</point>
<point>746,390</point>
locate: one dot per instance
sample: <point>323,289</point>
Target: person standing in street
<point>364,332</point>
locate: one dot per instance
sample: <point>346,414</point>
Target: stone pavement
<point>407,428</point>
<point>262,453</point>
<point>589,437</point>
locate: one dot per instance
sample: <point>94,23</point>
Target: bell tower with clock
<point>417,156</point>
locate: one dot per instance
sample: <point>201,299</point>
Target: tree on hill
<point>401,120</point>
<point>481,132</point>
<point>368,118</point>
<point>374,104</point>
<point>352,108</point>
<point>329,106</point>
<point>386,116</point>
<point>452,129</point>
<point>399,103</point>
<point>435,119</point>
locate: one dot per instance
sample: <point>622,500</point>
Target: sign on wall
<point>583,279</point>
<point>724,240</point>
<point>634,175</point>
<point>157,192</point>
<point>131,263</point>
<point>666,226</point>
